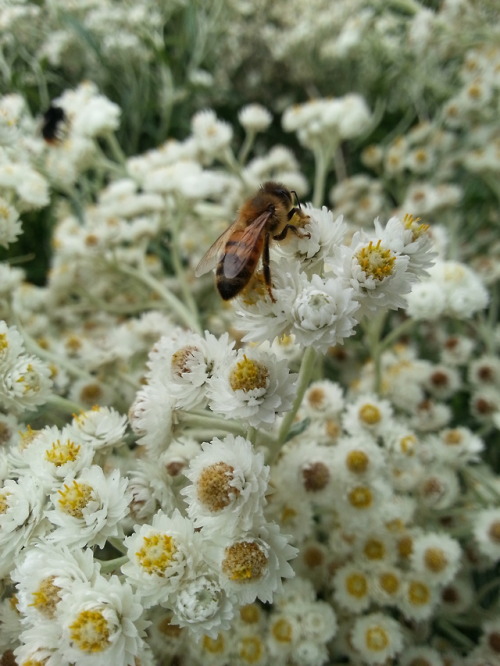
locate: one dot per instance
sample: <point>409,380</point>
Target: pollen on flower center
<point>250,649</point>
<point>357,461</point>
<point>418,593</point>
<point>356,585</point>
<point>46,597</point>
<point>248,375</point>
<point>370,414</point>
<point>61,453</point>
<point>74,498</point>
<point>244,561</point>
<point>214,487</point>
<point>4,343</point>
<point>360,497</point>
<point>90,631</point>
<point>435,559</point>
<point>376,261</point>
<point>180,360</point>
<point>157,553</point>
<point>282,631</point>
<point>412,224</point>
<point>374,549</point>
<point>389,582</point>
<point>377,639</point>
<point>4,504</point>
<point>214,645</point>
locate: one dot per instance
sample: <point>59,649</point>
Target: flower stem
<point>305,373</point>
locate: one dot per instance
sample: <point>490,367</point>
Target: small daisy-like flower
<point>46,573</point>
<point>409,237</point>
<point>490,638</point>
<point>21,510</point>
<point>255,388</point>
<point>485,371</point>
<point>419,597</point>
<point>203,606</point>
<point>11,345</point>
<point>420,655</point>
<point>324,312</point>
<point>323,398</point>
<point>162,556</point>
<point>228,483</point>
<point>456,350</point>
<point>357,459</point>
<point>442,382</point>
<point>362,501</point>
<point>438,489</point>
<point>457,446</point>
<point>185,362</point>
<point>211,135</point>
<point>351,588</point>
<point>426,301</point>
<point>102,427</point>
<point>10,225</point>
<point>487,532</point>
<point>27,384</point>
<point>379,275</point>
<point>437,556</point>
<point>151,417</point>
<point>252,565</point>
<point>101,624</point>
<point>386,585</point>
<point>150,490</point>
<point>376,638</point>
<point>55,454</point>
<point>254,118</point>
<point>90,509</point>
<point>368,414</point>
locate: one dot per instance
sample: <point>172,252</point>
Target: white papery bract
<point>256,387</point>
<point>376,637</point>
<point>26,384</point>
<point>228,483</point>
<point>102,624</point>
<point>90,509</point>
<point>161,557</point>
<point>102,427</point>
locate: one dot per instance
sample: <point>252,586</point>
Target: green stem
<point>458,637</point>
<point>109,566</point>
<point>305,373</point>
<point>65,405</point>
<point>177,306</point>
<point>320,173</point>
<point>246,147</point>
<point>116,149</point>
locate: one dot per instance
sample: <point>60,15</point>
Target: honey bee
<point>52,122</point>
<point>268,215</point>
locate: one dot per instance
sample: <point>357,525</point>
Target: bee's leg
<point>266,268</point>
<point>290,227</point>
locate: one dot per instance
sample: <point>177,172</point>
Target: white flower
<point>26,384</point>
<point>10,225</point>
<point>228,483</point>
<point>46,573</point>
<point>252,565</point>
<point>368,414</point>
<point>376,638</point>
<point>255,388</point>
<point>378,275</point>
<point>436,556</point>
<point>211,135</point>
<point>101,623</point>
<point>203,606</point>
<point>54,455</point>
<point>351,588</point>
<point>161,557</point>
<point>355,116</point>
<point>90,114</point>
<point>323,313</point>
<point>150,490</point>
<point>101,426</point>
<point>254,118</point>
<point>90,509</point>
<point>426,301</point>
<point>22,503</point>
<point>185,362</point>
<point>419,597</point>
<point>151,417</point>
<point>487,532</point>
<point>323,398</point>
<point>11,344</point>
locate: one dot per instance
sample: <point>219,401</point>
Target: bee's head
<point>280,191</point>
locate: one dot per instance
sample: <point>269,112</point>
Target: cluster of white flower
<point>308,473</point>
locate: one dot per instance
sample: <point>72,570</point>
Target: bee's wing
<point>234,262</point>
<point>211,256</point>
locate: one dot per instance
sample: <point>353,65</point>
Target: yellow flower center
<point>4,342</point>
<point>214,645</point>
<point>250,614</point>
<point>412,223</point>
<point>357,585</point>
<point>374,549</point>
<point>46,597</point>
<point>250,649</point>
<point>282,631</point>
<point>389,583</point>
<point>75,497</point>
<point>61,453</point>
<point>90,632</point>
<point>214,487</point>
<point>376,261</point>
<point>377,639</point>
<point>248,375</point>
<point>418,593</point>
<point>370,414</point>
<point>435,560</point>
<point>244,561</point>
<point>4,502</point>
<point>357,462</point>
<point>157,553</point>
<point>360,497</point>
